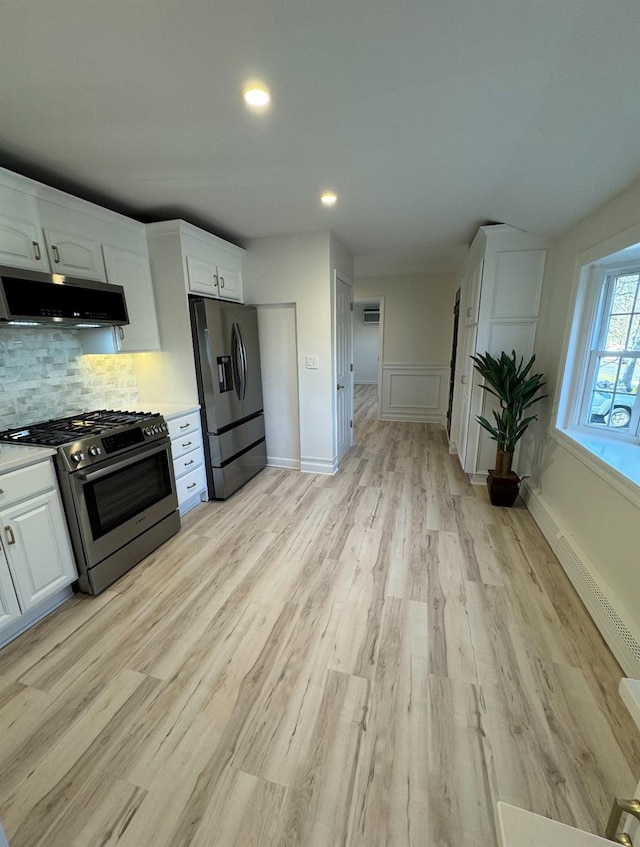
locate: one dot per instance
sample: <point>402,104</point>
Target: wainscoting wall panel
<point>414,393</point>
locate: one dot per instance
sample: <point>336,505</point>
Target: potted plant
<point>516,389</point>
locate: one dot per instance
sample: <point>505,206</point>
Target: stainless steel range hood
<point>32,298</point>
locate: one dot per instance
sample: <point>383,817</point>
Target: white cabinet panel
<point>523,298</point>
<point>9,608</point>
<point>131,271</point>
<point>37,547</point>
<point>190,485</point>
<point>74,255</point>
<point>503,283</point>
<point>230,283</point>
<point>202,276</point>
<point>184,425</point>
<point>21,239</point>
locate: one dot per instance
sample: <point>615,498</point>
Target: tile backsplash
<point>44,374</point>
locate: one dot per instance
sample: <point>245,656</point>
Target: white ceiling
<point>428,117</point>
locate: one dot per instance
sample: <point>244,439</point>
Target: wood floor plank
<point>371,658</point>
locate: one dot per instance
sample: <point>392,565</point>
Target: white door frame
<point>376,298</point>
<point>334,365</point>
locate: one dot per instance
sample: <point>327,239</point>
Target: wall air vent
<point>371,317</point>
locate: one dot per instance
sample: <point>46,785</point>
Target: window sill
<point>616,462</point>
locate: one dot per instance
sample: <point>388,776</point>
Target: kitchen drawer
<point>25,482</point>
<point>190,484</point>
<point>184,425</point>
<point>185,444</point>
<point>187,463</point>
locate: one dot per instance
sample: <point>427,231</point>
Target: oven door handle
<point>90,476</point>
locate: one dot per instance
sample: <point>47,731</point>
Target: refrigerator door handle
<point>243,360</point>
<point>236,360</point>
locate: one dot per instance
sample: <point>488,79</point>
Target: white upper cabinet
<point>202,276</point>
<point>211,269</point>
<point>211,266</point>
<point>131,271</point>
<point>74,255</point>
<point>21,239</point>
<point>46,229</point>
<point>230,283</point>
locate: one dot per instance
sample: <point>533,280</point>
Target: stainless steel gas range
<point>116,479</point>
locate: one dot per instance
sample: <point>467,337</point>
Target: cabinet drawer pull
<point>1,490</point>
<point>56,254</point>
<point>187,443</point>
<point>190,462</point>
<point>215,279</point>
<point>11,539</point>
<point>193,485</point>
<point>36,251</point>
<point>221,282</point>
<point>185,426</point>
<point>469,311</point>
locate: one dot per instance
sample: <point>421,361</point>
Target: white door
<point>37,546</point>
<point>131,271</point>
<point>9,608</point>
<point>74,255</point>
<point>344,373</point>
<point>21,242</point>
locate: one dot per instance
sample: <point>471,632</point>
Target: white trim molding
<point>613,621</point>
<point>414,393</point>
<point>278,462</point>
<point>310,464</point>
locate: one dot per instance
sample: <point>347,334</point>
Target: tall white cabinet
<point>500,300</point>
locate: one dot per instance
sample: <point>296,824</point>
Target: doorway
<point>343,357</point>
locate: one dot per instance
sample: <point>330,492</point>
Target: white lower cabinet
<point>36,560</point>
<point>188,460</point>
<point>9,608</point>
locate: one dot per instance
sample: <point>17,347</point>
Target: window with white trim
<point>609,396</point>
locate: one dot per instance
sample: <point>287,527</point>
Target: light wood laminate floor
<point>373,658</point>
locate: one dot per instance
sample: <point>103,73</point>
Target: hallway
<point>373,658</point>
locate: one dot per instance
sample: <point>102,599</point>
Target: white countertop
<point>519,828</point>
<point>169,410</point>
<point>14,456</point>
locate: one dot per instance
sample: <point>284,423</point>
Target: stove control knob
<point>146,430</point>
<point>155,430</point>
<point>78,457</point>
<point>94,450</point>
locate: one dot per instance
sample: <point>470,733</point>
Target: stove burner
<point>60,431</point>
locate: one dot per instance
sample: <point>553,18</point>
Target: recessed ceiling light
<point>328,198</point>
<point>256,94</point>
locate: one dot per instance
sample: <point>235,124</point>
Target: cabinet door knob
<point>36,251</point>
<point>56,254</point>
<point>11,539</point>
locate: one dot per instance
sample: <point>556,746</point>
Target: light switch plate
<point>312,362</point>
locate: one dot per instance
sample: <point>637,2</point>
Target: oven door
<point>123,497</point>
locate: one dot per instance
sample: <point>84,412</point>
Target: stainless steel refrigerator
<point>227,356</point>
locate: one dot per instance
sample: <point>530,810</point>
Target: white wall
<point>415,344</point>
<point>598,523</point>
<point>279,363</point>
<point>366,345</point>
<point>296,269</point>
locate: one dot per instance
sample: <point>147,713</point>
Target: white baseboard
<point>313,465</point>
<point>613,621</point>
<point>409,416</point>
<point>277,462</point>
